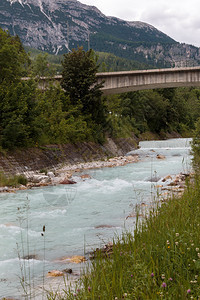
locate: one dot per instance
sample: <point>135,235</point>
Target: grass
<point>160,261</point>
<point>12,181</point>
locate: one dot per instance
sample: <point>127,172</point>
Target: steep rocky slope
<point>57,26</point>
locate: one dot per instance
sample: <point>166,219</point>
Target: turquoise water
<point>78,218</point>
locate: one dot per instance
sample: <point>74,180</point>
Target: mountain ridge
<point>57,26</point>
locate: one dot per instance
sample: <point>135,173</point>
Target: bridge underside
<point>121,82</point>
<point>112,91</point>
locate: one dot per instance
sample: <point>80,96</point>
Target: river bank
<point>51,164</point>
<point>83,216</point>
<point>161,259</point>
<point>53,157</point>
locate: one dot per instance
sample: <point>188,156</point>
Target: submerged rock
<point>77,259</point>
<point>85,176</point>
<point>55,273</point>
<point>68,271</point>
<point>159,156</point>
<point>103,226</point>
<point>30,256</point>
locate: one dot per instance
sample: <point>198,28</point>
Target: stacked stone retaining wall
<point>56,156</point>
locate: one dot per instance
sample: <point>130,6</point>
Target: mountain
<point>57,26</point>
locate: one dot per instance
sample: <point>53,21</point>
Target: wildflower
<point>89,289</point>
<point>125,294</point>
<point>170,279</point>
<point>188,291</point>
<point>78,290</point>
<point>198,255</point>
<point>152,274</point>
<point>177,234</point>
<point>116,298</point>
<point>168,242</point>
<point>176,243</point>
<point>163,276</point>
<point>168,247</point>
<point>188,249</point>
<point>196,276</point>
<point>197,249</point>
<point>192,244</point>
<point>164,285</point>
<point>194,260</point>
<point>74,294</point>
<point>131,275</point>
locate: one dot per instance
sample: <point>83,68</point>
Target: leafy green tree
<point>58,121</point>
<point>17,98</point>
<point>13,58</point>
<point>41,66</point>
<point>17,104</point>
<point>80,84</point>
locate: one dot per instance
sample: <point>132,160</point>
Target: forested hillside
<point>73,111</point>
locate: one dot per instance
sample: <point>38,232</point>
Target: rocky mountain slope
<point>57,26</point>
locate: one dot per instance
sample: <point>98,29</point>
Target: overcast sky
<point>180,19</point>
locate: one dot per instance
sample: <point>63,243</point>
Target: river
<point>80,217</point>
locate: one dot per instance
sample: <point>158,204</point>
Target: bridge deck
<point>126,81</point>
<point>119,82</point>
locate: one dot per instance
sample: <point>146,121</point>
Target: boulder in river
<point>67,181</point>
<point>84,176</point>
<point>168,177</point>
<point>68,271</point>
<point>77,259</point>
<point>55,273</point>
<point>159,156</point>
<point>30,256</point>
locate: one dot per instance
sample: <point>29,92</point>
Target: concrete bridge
<point>121,82</point>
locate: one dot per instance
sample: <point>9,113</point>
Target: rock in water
<point>55,273</point>
<point>67,181</point>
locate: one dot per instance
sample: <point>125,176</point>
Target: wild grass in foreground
<point>161,261</point>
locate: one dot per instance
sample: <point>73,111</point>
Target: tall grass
<point>160,260</point>
<point>12,181</point>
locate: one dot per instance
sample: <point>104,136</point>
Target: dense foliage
<point>158,111</point>
<point>78,111</point>
<point>13,58</point>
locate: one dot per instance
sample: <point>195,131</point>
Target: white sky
<point>180,19</point>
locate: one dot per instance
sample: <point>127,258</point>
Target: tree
<point>16,96</point>
<point>80,83</point>
<point>13,58</point>
<point>41,66</point>
<point>17,105</point>
<point>57,120</point>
